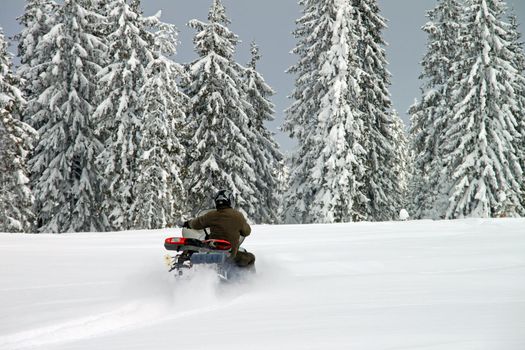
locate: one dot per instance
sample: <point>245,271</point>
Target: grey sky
<point>270,23</point>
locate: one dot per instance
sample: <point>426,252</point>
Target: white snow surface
<point>418,285</point>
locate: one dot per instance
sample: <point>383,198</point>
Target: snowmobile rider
<point>226,223</point>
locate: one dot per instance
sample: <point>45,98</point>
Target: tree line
<point>102,130</point>
<point>467,130</point>
<point>464,153</point>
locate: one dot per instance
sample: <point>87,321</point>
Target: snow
<point>403,215</point>
<point>418,285</point>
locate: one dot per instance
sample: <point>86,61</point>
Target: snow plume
<point>166,291</point>
<point>167,295</point>
<point>197,290</point>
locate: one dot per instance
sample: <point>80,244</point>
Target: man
<point>228,224</point>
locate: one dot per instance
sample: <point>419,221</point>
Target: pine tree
<point>429,115</point>
<point>283,179</point>
<point>382,180</point>
<point>518,53</point>
<point>264,149</point>
<point>329,162</point>
<point>220,146</point>
<point>37,20</point>
<point>66,179</point>
<point>120,115</point>
<point>402,164</point>
<point>16,139</point>
<point>480,156</point>
<point>160,195</point>
<point>300,116</point>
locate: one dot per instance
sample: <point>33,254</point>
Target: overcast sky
<point>270,23</point>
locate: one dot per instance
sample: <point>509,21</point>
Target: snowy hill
<point>369,286</point>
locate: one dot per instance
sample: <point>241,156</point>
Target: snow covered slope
<point>418,285</point>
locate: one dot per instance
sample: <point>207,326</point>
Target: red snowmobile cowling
<point>219,244</point>
<point>182,244</point>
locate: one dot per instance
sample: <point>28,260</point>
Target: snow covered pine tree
<point>483,174</point>
<point>346,167</point>
<point>66,179</point>
<point>160,197</point>
<point>519,58</point>
<point>325,119</point>
<point>120,115</point>
<point>36,22</point>
<point>402,169</point>
<point>429,115</point>
<point>264,149</point>
<point>219,151</point>
<point>384,139</point>
<point>16,139</point>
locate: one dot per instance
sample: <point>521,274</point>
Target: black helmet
<point>224,198</point>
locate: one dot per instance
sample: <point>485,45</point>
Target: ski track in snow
<point>200,294</point>
<point>422,285</point>
<point>76,329</point>
<point>54,286</point>
<point>128,317</point>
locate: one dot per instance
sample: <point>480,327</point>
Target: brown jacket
<point>228,224</point>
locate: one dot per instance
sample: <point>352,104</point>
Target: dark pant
<point>244,259</point>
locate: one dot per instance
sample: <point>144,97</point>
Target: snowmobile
<point>194,248</point>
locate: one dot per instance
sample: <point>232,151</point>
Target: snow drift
<point>413,285</point>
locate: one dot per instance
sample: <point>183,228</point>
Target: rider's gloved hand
<point>184,224</point>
